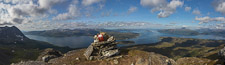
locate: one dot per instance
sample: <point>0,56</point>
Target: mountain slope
<point>15,46</point>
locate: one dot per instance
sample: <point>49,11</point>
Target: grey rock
<point>77,59</point>
<point>110,53</point>
<point>49,54</point>
<point>91,58</point>
<point>46,58</point>
<point>88,51</point>
<point>221,53</point>
<point>116,61</point>
<point>111,39</point>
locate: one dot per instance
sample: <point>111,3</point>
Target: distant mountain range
<point>82,32</point>
<point>179,31</point>
<point>217,32</point>
<point>204,31</point>
<point>64,32</point>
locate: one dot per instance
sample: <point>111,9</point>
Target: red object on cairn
<point>100,37</point>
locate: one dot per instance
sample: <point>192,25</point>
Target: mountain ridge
<point>15,46</point>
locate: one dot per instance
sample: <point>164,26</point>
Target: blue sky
<point>175,13</point>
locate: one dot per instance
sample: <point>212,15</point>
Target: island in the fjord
<point>82,32</point>
<point>16,47</point>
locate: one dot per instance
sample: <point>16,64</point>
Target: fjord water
<point>145,37</point>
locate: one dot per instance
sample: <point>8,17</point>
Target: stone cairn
<point>101,49</point>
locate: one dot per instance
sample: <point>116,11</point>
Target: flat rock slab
<point>88,51</point>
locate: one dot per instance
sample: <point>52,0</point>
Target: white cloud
<point>90,2</point>
<point>123,24</point>
<point>208,19</point>
<point>187,8</point>
<point>73,13</point>
<point>165,8</point>
<point>196,12</point>
<point>48,25</point>
<point>49,3</point>
<point>23,11</point>
<point>212,22</point>
<point>75,10</point>
<point>17,1</point>
<point>153,3</point>
<point>219,6</point>
<point>132,9</point>
<point>170,9</point>
<point>88,10</point>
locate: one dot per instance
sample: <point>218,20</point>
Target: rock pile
<point>104,46</point>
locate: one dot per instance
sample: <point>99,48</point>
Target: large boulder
<point>110,53</point>
<point>48,54</point>
<point>221,53</point>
